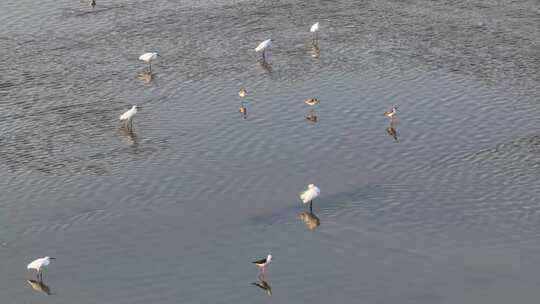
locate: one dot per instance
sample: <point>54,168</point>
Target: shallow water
<point>447,213</point>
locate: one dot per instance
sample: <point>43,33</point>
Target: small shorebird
<point>262,263</point>
<point>314,29</point>
<point>243,111</point>
<point>148,58</point>
<point>390,114</point>
<point>127,117</point>
<point>309,195</point>
<point>311,101</point>
<point>263,46</point>
<point>263,284</point>
<point>93,3</point>
<point>242,93</point>
<point>38,265</point>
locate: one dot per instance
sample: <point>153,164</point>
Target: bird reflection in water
<point>243,111</point>
<point>146,76</point>
<point>312,116</point>
<point>129,136</point>
<point>265,65</point>
<point>315,50</point>
<point>391,130</point>
<point>40,286</point>
<point>310,220</point>
<point>264,285</point>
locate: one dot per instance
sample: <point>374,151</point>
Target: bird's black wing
<point>262,261</point>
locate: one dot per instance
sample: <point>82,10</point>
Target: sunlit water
<point>176,211</point>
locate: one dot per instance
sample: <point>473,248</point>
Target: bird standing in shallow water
<point>311,101</point>
<point>309,195</point>
<point>148,58</point>
<point>314,29</point>
<point>390,114</point>
<point>262,47</point>
<point>242,93</point>
<point>38,266</point>
<point>127,117</point>
<point>262,263</point>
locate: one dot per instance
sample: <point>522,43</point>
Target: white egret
<point>262,263</point>
<point>39,264</point>
<point>309,195</point>
<point>314,29</point>
<point>263,46</point>
<point>390,114</point>
<point>148,58</point>
<point>127,117</point>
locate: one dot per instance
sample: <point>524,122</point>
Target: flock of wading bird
<point>307,196</point>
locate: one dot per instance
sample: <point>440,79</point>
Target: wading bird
<point>309,195</point>
<point>390,114</point>
<point>38,266</point>
<point>127,117</point>
<point>314,29</point>
<point>263,46</point>
<point>148,58</point>
<point>262,263</point>
<point>311,101</point>
<point>242,93</point>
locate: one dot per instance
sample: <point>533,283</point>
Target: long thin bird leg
<point>311,206</point>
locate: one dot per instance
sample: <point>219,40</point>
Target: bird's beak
<point>139,108</point>
<point>52,258</point>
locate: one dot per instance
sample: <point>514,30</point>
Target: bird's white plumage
<point>264,45</point>
<point>148,57</point>
<point>39,263</point>
<point>310,194</point>
<point>314,28</point>
<point>129,114</point>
